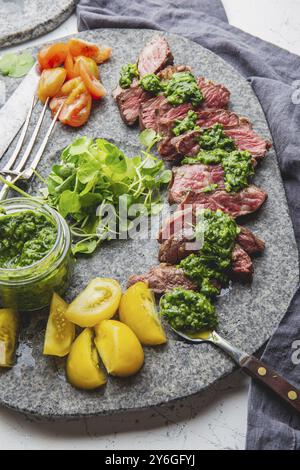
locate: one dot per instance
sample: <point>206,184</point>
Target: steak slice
<point>166,277</point>
<point>149,109</point>
<point>147,113</point>
<point>173,251</point>
<point>215,95</point>
<point>177,238</point>
<point>242,266</point>
<point>238,204</point>
<point>155,56</point>
<point>194,178</point>
<point>168,72</point>
<point>228,119</point>
<point>246,138</point>
<point>250,242</point>
<point>167,114</point>
<point>129,101</point>
<point>163,278</point>
<point>173,148</point>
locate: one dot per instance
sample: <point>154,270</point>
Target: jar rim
<point>22,203</point>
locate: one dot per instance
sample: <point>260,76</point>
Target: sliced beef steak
<point>250,242</point>
<point>176,248</point>
<point>186,144</point>
<point>242,266</point>
<point>174,148</point>
<point>166,277</point>
<point>163,278</point>
<point>129,101</point>
<point>168,72</point>
<point>210,117</point>
<point>246,138</point>
<point>195,178</point>
<point>155,56</point>
<point>147,113</point>
<point>167,114</point>
<point>215,95</point>
<point>238,204</point>
<point>173,251</point>
<point>150,108</point>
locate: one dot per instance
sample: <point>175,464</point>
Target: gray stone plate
<point>248,313</point>
<point>21,20</point>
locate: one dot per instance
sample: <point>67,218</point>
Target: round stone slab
<point>21,20</point>
<point>248,314</point>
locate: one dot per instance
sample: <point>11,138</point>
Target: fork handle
<point>263,373</point>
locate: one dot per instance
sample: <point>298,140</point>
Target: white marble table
<point>217,418</point>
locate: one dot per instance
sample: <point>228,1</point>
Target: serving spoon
<point>250,365</point>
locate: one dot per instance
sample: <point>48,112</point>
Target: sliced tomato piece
<point>77,107</point>
<point>93,85</point>
<point>98,301</point>
<point>79,47</point>
<point>69,66</point>
<point>103,54</point>
<point>56,103</point>
<point>9,323</point>
<point>60,333</point>
<point>90,64</point>
<point>52,56</point>
<point>70,85</point>
<point>50,82</point>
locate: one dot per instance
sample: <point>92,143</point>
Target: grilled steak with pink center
<point>194,178</point>
<point>129,101</point>
<point>238,204</point>
<point>155,56</point>
<point>163,278</point>
<point>215,95</point>
<point>247,139</point>
<point>242,266</point>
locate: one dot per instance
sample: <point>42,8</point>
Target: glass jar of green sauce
<point>35,254</point>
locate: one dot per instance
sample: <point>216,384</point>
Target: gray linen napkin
<point>273,73</point>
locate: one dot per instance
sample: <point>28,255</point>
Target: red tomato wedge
<point>69,66</point>
<point>52,56</point>
<point>79,47</point>
<point>93,85</point>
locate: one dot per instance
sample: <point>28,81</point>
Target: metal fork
<point>14,171</point>
<point>250,365</point>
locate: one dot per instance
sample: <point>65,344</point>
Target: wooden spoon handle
<point>260,371</point>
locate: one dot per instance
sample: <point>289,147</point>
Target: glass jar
<point>31,287</point>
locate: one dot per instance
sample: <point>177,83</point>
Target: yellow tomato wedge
<point>60,333</point>
<point>8,336</point>
<point>83,368</point>
<point>99,301</point>
<point>119,348</point>
<point>138,310</point>
<point>50,82</point>
<point>90,64</point>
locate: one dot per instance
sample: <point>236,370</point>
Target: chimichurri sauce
<point>25,237</point>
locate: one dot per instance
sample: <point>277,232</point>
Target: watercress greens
<point>94,173</point>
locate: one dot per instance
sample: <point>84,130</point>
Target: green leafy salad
<point>94,173</point>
